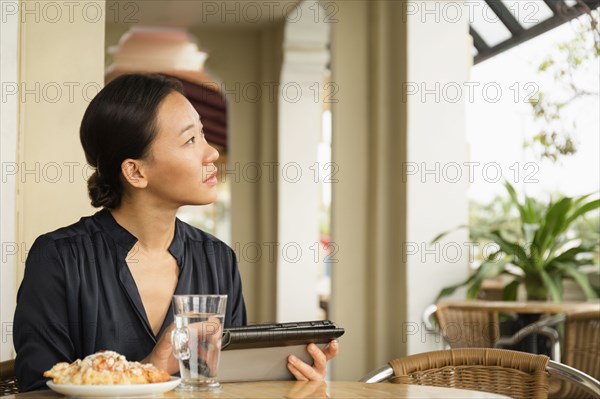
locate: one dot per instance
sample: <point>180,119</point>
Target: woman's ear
<point>133,173</point>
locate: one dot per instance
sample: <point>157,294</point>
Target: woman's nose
<point>212,154</point>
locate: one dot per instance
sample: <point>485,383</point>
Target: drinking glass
<point>196,339</point>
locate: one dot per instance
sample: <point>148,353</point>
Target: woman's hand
<point>316,372</point>
<point>162,354</point>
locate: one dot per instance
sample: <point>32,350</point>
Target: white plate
<point>132,390</point>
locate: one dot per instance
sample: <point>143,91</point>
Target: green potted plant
<point>540,254</point>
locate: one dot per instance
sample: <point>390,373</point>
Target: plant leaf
<point>580,199</point>
<point>515,200</point>
<point>510,249</point>
<point>549,283</point>
<point>580,278</point>
<point>552,224</point>
<point>474,289</point>
<point>583,209</point>
<point>449,290</point>
<point>532,216</point>
<point>570,254</point>
<point>509,293</point>
<point>492,257</point>
<point>486,270</point>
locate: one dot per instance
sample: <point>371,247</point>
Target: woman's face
<point>180,169</point>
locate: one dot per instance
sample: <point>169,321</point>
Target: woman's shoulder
<point>84,226</point>
<point>61,243</point>
<point>71,239</point>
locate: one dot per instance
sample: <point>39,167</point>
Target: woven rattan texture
<point>9,387</point>
<point>468,328</point>
<point>515,374</point>
<point>8,381</point>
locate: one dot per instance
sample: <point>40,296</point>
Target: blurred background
<point>351,134</point>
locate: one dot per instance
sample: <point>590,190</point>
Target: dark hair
<point>120,123</point>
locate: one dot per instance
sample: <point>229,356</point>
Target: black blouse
<point>78,295</point>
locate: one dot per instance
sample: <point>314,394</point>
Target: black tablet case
<point>259,352</point>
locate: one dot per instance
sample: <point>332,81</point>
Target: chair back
<point>467,328</point>
<point>515,374</point>
<point>581,350</point>
<point>8,380</point>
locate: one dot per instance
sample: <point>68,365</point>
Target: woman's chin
<point>205,200</point>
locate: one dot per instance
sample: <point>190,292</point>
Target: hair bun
<point>101,193</point>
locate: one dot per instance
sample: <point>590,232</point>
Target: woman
<point>106,282</point>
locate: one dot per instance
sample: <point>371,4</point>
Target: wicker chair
<point>581,349</point>
<point>8,381</point>
<point>515,374</point>
<point>463,328</point>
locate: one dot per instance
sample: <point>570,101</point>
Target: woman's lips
<point>212,179</point>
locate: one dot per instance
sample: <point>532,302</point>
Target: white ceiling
<point>188,13</point>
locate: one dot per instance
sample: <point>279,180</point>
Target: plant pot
<point>536,291</point>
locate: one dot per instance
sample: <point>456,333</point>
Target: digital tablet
<point>259,352</point>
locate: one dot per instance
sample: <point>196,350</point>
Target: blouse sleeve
<point>41,333</point>
<point>239,317</point>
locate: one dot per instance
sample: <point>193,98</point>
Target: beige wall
<point>52,196</point>
<point>61,58</point>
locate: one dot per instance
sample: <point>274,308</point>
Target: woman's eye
<point>192,140</point>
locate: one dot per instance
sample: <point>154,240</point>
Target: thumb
<point>164,342</point>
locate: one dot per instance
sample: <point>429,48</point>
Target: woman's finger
<point>296,373</point>
<point>307,371</point>
<point>319,359</point>
<point>332,349</point>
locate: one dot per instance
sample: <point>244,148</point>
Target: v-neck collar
<point>125,242</point>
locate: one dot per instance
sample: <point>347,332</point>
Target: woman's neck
<point>153,227</point>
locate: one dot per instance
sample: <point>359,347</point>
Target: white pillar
<point>300,114</point>
<point>379,290</point>
<point>438,55</point>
